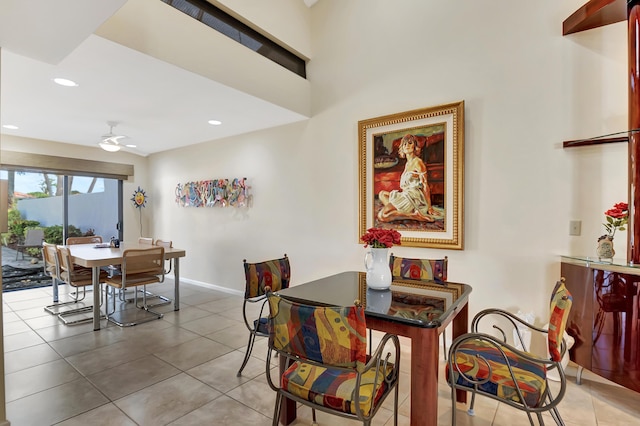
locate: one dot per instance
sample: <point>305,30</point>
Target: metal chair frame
<point>254,326</point>
<point>77,277</point>
<point>145,267</point>
<point>501,344</point>
<point>377,361</point>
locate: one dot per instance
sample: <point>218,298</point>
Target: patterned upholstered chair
<point>276,274</point>
<point>421,270</point>
<point>486,365</point>
<point>329,370</point>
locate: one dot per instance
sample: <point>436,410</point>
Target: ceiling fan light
<point>109,146</point>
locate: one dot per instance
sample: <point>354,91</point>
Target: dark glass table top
<point>418,303</point>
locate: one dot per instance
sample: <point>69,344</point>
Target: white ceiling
<point>157,105</point>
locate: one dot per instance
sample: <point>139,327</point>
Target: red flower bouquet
<point>617,218</point>
<point>381,238</point>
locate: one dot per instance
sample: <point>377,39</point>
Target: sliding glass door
<point>62,205</point>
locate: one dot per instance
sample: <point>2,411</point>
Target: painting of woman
<point>413,200</point>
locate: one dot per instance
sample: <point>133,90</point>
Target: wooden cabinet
<point>604,319</point>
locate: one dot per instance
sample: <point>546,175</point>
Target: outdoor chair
<point>78,277</point>
<point>325,349</point>
<point>276,274</point>
<point>486,365</point>
<point>139,267</point>
<point>33,239</point>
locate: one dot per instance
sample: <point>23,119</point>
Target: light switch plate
<point>575,226</point>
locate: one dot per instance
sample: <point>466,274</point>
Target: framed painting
<point>412,175</point>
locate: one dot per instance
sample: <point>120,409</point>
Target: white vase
<point>376,262</point>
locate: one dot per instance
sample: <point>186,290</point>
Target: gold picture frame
<point>398,154</point>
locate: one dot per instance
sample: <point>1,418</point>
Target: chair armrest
<point>513,319</point>
<point>501,346</point>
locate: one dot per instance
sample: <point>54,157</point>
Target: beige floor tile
<point>193,353</point>
<point>10,328</point>
<point>105,415</point>
<point>9,316</point>
<point>256,394</point>
<point>22,340</point>
<point>208,325</point>
<point>103,358</point>
<point>132,376</point>
<point>28,357</point>
<point>47,407</point>
<point>185,315</point>
<point>153,340</point>
<point>43,322</point>
<point>226,412</point>
<point>167,400</point>
<point>614,405</point>
<point>200,298</point>
<point>216,306</point>
<point>221,372</point>
<point>235,336</point>
<point>38,378</point>
<point>85,341</point>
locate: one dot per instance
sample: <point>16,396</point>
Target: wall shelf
<point>594,14</point>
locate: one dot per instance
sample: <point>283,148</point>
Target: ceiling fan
<point>111,141</point>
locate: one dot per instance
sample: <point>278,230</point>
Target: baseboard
<point>210,287</point>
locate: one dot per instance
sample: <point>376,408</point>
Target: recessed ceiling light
<point>65,82</point>
<point>10,127</point>
<point>214,122</point>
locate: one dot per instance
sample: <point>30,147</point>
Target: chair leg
<point>313,416</point>
<point>252,339</point>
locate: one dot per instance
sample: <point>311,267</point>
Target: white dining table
<point>94,256</point>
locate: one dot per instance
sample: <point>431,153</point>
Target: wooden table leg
<point>424,377</point>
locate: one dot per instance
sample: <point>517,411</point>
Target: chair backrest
<point>50,258</point>
<point>143,261</point>
<point>145,240</point>
<point>69,272</point>
<point>90,239</point>
<point>419,269</point>
<point>331,335</point>
<point>34,237</point>
<point>164,243</point>
<point>274,273</point>
<point>561,301</point>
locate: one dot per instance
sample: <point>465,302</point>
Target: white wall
<point>526,88</point>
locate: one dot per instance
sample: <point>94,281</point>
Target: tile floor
<point>181,370</point>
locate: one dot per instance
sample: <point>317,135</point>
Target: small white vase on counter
<point>376,262</point>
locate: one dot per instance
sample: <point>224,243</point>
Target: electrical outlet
<point>575,227</point>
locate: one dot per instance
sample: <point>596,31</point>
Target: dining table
<point>96,256</point>
<point>419,310</point>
